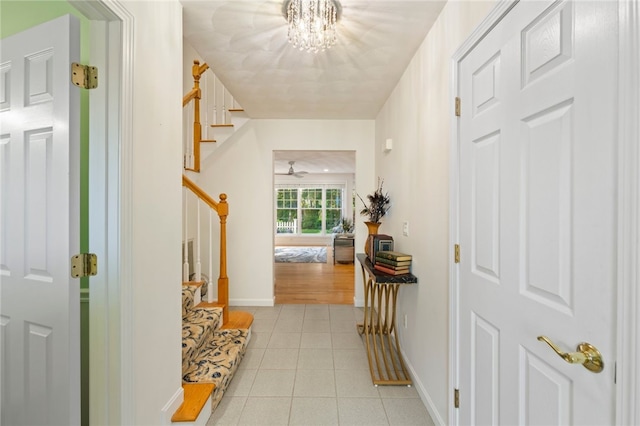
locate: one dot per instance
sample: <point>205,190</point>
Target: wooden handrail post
<point>223,280</point>
<point>197,127</point>
<point>196,94</point>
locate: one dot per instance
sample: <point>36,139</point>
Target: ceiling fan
<point>291,172</point>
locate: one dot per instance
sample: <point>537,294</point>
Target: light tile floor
<point>306,365</point>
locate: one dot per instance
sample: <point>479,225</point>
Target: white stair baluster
<point>190,158</point>
<point>210,283</point>
<point>198,264</point>
<point>206,107</point>
<point>224,106</point>
<point>185,265</point>
<point>188,137</point>
<point>215,101</point>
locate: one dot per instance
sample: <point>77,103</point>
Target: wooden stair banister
<point>193,153</point>
<point>195,95</point>
<point>222,209</point>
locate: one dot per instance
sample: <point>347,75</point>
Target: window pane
<point>311,198</point>
<point>332,219</point>
<point>334,198</point>
<point>333,212</point>
<point>287,198</point>
<point>286,211</point>
<point>311,221</point>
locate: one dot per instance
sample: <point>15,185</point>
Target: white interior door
<point>537,215</point>
<point>39,196</point>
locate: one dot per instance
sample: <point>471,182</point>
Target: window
<point>311,209</point>
<point>287,210</point>
<point>333,209</point>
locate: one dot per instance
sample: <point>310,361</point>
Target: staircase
<point>214,338</point>
<point>211,352</point>
<point>215,116</point>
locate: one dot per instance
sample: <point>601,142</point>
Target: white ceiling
<point>319,162</point>
<point>245,44</point>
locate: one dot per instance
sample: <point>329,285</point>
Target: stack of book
<point>393,262</point>
<point>378,242</point>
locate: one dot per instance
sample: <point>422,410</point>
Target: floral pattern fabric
<point>209,354</point>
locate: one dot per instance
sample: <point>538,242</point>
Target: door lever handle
<point>586,354</point>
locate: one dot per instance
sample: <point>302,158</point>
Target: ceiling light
<point>312,23</point>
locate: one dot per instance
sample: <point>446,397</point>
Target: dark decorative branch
<point>379,204</point>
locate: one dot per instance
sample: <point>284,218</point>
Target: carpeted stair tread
<point>198,327</point>
<point>218,359</point>
<point>188,294</point>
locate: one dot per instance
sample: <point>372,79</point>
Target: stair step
<point>210,305</point>
<point>195,396</point>
<point>188,296</point>
<point>208,140</point>
<point>222,125</point>
<point>236,109</point>
<point>194,292</point>
<point>218,359</point>
<point>198,329</point>
<point>238,319</point>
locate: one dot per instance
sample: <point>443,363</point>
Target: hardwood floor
<point>315,283</point>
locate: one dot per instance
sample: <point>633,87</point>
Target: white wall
<point>418,118</point>
<point>156,197</point>
<point>242,167</point>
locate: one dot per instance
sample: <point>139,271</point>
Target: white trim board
<point>111,379</point>
<point>628,327</point>
<point>252,302</point>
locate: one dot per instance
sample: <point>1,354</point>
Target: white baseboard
<point>171,406</point>
<point>358,303</point>
<point>251,302</point>
<point>424,395</point>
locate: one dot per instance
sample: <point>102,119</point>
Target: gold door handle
<point>586,354</point>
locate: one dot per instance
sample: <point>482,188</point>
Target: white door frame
<point>628,328</point>
<point>112,398</point>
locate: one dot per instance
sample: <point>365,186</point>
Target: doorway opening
<point>313,206</point>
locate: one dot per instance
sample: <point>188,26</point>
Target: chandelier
<point>312,23</point>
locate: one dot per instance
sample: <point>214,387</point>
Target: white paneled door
<point>39,212</point>
<point>537,215</point>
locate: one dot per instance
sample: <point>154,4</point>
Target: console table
<point>379,326</point>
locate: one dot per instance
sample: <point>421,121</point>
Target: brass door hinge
<point>457,106</point>
<point>456,253</point>
<point>456,398</point>
<point>84,76</point>
<point>84,265</point>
